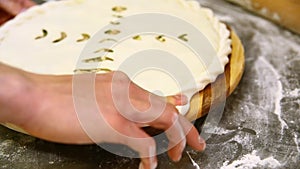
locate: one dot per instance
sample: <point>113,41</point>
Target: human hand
<point>10,8</point>
<point>44,107</point>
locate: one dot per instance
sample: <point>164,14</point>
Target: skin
<point>44,106</point>
<point>10,8</point>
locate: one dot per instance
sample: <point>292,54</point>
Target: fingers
<point>177,100</point>
<point>145,145</point>
<point>192,135</point>
<point>148,163</point>
<point>179,134</point>
<point>170,122</point>
<point>177,141</point>
<point>162,114</point>
<point>178,129</point>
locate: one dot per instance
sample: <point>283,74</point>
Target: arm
<point>14,83</point>
<point>44,107</point>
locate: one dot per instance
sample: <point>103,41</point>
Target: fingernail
<point>153,162</point>
<point>181,98</point>
<point>180,151</point>
<point>178,158</point>
<point>153,165</point>
<point>141,166</point>
<point>202,141</point>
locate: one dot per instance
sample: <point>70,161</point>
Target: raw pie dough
<point>48,39</point>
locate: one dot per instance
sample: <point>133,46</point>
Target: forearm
<point>13,84</point>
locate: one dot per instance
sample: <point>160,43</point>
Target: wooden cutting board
<point>208,98</point>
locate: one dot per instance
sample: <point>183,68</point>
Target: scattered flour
<point>277,92</point>
<point>294,93</point>
<point>250,161</point>
<point>193,162</point>
<point>297,140</point>
<point>218,131</point>
<point>11,151</point>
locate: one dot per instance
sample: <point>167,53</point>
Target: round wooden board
<point>209,98</point>
<point>203,101</point>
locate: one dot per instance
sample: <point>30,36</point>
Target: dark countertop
<point>259,129</point>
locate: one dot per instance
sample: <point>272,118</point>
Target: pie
<point>60,37</point>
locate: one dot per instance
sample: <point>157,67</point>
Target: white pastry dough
<point>49,39</point>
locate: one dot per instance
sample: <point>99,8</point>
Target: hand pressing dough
<point>49,39</point>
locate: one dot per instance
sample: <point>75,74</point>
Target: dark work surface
<point>260,125</point>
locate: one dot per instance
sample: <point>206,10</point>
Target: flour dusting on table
<point>276,88</point>
<point>250,161</point>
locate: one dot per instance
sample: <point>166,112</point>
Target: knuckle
<point>171,108</point>
<point>171,119</point>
